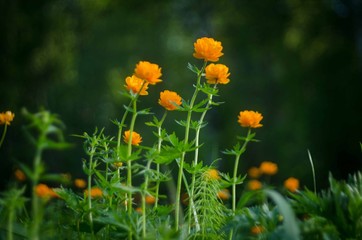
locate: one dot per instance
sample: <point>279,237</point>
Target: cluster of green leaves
<point>335,213</point>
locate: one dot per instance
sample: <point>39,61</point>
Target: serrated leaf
<point>193,68</point>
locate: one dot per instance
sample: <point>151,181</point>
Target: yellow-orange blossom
<point>217,74</point>
<point>149,72</point>
<point>6,117</point>
<point>207,49</point>
<point>135,84</point>
<point>136,138</point>
<point>250,119</point>
<point>292,184</point>
<point>169,100</point>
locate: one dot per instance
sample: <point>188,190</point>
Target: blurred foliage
<point>297,62</point>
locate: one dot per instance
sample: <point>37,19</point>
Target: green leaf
<point>290,224</point>
<point>193,68</point>
<point>56,178</point>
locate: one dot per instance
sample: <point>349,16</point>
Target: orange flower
<point>80,183</point>
<point>292,184</point>
<point>250,119</point>
<point>19,175</point>
<point>148,71</point>
<point>169,100</point>
<point>223,194</point>
<point>6,117</point>
<point>136,138</point>
<point>95,192</point>
<point>150,199</point>
<point>135,84</point>
<point>256,230</point>
<point>268,168</point>
<point>207,49</point>
<point>254,172</point>
<point>212,174</point>
<point>43,191</point>
<point>217,73</point>
<point>254,185</point>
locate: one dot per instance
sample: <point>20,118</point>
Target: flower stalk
<point>182,159</point>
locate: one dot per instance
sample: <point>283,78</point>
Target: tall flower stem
<point>90,169</point>
<point>37,215</point>
<point>121,124</point>
<point>237,158</point>
<point>144,220</point>
<point>159,145</point>
<point>3,135</point>
<point>182,159</point>
<point>196,157</point>
<point>129,162</point>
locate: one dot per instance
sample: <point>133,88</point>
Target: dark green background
<point>298,62</point>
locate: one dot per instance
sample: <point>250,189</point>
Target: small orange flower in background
<point>207,49</point>
<point>6,117</point>
<point>80,183</point>
<point>118,164</point>
<point>223,194</point>
<point>150,199</point>
<point>43,191</point>
<point>292,184</point>
<point>268,168</point>
<point>250,119</point>
<point>254,172</point>
<point>169,100</point>
<point>185,199</point>
<point>217,74</point>
<point>256,230</point>
<point>95,192</point>
<point>254,185</point>
<point>19,175</point>
<point>135,84</point>
<point>139,210</point>
<point>212,174</point>
<point>136,138</point>
<point>149,72</point>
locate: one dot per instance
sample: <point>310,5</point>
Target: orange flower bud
<point>292,184</point>
<point>80,183</point>
<point>268,168</point>
<point>95,192</point>
<point>254,185</point>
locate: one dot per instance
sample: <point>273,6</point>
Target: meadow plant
<point>121,196</point>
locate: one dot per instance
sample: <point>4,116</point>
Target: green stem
<point>89,191</point>
<point>4,133</point>
<point>159,128</point>
<point>10,223</point>
<point>237,158</point>
<point>121,124</point>
<point>144,220</point>
<point>129,163</point>
<point>37,215</point>
<point>181,164</point>
<point>120,128</point>
<point>196,157</point>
